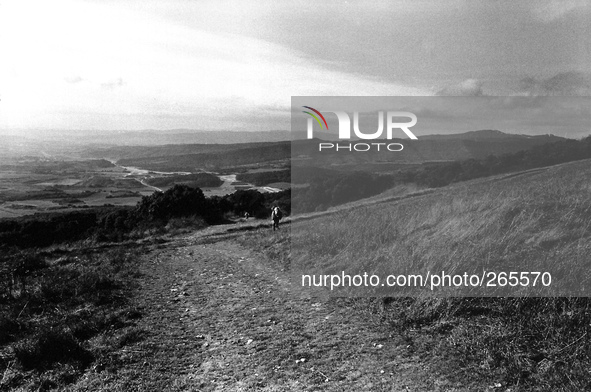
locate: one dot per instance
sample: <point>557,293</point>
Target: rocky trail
<point>219,317</point>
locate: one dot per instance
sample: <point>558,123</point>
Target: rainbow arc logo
<point>316,118</point>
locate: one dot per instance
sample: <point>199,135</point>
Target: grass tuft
<point>49,347</point>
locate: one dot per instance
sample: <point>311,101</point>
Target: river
<point>227,186</point>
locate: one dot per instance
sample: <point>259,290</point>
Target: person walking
<point>276,215</point>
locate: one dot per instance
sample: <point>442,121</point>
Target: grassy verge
<point>517,344</point>
<point>520,344</point>
<point>63,310</point>
<point>275,245</point>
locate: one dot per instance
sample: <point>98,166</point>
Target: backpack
<point>278,213</point>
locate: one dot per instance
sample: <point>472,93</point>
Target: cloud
<point>118,82</point>
<point>561,84</point>
<point>144,66</point>
<point>468,87</point>
<point>73,79</point>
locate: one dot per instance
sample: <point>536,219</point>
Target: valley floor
<point>219,317</point>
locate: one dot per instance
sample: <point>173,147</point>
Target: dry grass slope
<point>535,221</point>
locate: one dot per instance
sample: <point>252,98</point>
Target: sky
<point>234,65</point>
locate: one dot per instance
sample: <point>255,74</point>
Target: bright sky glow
<point>235,64</point>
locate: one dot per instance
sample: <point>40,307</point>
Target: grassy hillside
<point>263,178</point>
<point>534,221</point>
<point>99,181</point>
<point>346,183</point>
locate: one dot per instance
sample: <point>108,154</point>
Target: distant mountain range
<point>226,148</point>
<point>491,134</point>
<point>187,136</point>
<point>158,138</point>
<point>191,157</point>
<point>475,144</point>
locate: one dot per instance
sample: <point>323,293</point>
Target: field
<point>39,185</point>
<point>30,186</point>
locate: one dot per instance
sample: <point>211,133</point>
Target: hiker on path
<point>276,215</point>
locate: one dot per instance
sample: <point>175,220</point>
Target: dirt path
<point>219,318</point>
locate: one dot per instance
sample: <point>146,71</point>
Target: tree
<point>180,200</point>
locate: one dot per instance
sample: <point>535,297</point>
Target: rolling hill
<point>476,145</point>
<point>527,337</point>
<point>531,219</point>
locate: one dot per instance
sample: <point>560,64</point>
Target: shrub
<point>180,200</point>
